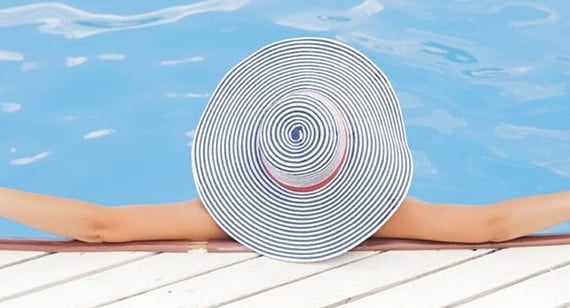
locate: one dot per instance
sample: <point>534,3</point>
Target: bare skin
<point>189,220</point>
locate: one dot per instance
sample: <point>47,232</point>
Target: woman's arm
<point>497,222</point>
<point>90,222</point>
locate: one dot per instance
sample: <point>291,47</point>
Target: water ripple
<point>550,15</point>
<point>10,107</point>
<point>61,19</point>
<point>7,55</point>
<point>450,53</point>
<point>518,132</point>
<point>30,159</point>
<point>497,72</point>
<point>325,19</point>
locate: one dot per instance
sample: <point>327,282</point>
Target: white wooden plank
<point>471,278</point>
<point>11,257</point>
<point>234,282</point>
<point>356,278</point>
<point>551,289</point>
<point>129,280</point>
<point>55,268</point>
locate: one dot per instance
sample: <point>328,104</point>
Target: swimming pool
<point>100,101</point>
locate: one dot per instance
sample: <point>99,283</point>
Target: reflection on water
<point>495,72</point>
<point>536,14</point>
<point>119,23</point>
<point>449,53</point>
<point>101,102</point>
<point>59,18</point>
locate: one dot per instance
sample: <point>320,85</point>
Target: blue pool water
<point>99,100</point>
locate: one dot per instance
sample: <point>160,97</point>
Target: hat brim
<point>298,225</point>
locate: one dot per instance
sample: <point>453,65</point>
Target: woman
<point>301,154</point>
<point>189,220</point>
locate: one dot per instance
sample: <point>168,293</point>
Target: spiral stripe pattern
<point>303,141</point>
<point>301,153</point>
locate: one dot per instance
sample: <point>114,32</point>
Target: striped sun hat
<point>301,152</point>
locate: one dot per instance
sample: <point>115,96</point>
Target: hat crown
<point>303,140</point>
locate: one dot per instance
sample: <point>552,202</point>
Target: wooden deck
<point>514,277</point>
